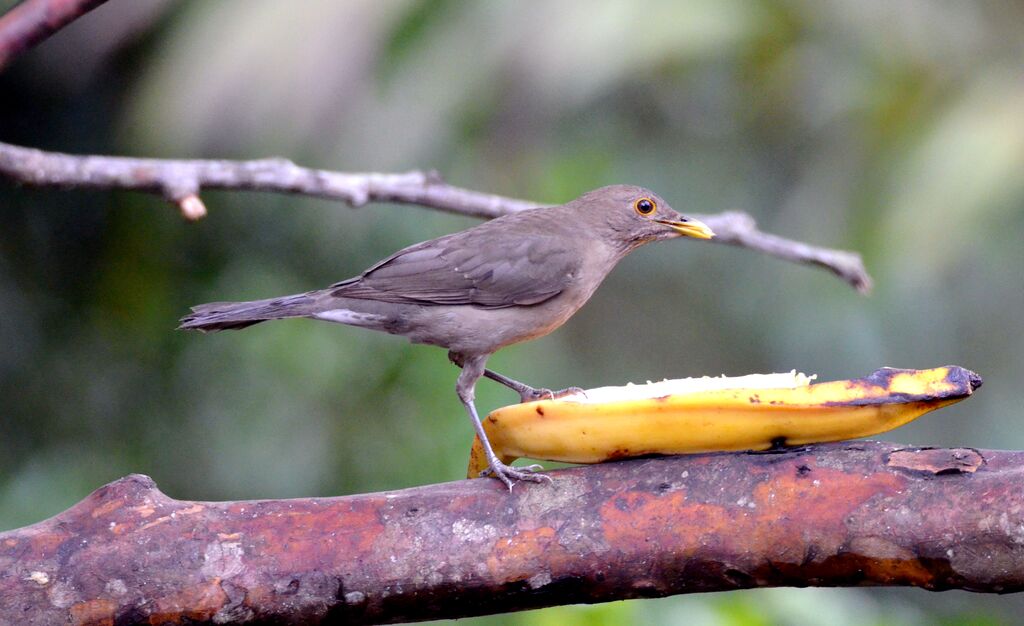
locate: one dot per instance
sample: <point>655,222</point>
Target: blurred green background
<point>891,128</point>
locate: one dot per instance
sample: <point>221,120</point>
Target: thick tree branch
<point>180,182</point>
<point>861,513</point>
<point>32,21</point>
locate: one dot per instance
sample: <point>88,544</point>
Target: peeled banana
<point>716,414</point>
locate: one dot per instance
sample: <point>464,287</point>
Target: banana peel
<point>716,414</point>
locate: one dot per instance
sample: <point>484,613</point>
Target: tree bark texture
<point>855,513</point>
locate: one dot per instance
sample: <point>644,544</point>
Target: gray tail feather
<point>237,315</point>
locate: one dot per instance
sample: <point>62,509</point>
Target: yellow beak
<point>690,228</point>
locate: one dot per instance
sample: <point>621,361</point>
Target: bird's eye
<point>645,206</point>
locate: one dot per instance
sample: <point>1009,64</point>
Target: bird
<point>511,279</point>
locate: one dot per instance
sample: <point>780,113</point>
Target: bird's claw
<point>530,394</point>
<point>509,475</point>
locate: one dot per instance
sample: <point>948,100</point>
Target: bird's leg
<point>472,370</point>
<point>526,392</point>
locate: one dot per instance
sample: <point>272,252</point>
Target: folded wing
<point>494,272</point>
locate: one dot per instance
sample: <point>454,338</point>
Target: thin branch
<point>740,229</point>
<point>176,179</point>
<point>180,182</point>
<point>856,513</point>
<point>32,21</point>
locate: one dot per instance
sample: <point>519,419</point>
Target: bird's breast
<point>477,330</point>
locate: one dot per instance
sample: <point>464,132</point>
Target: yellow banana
<point>716,414</point>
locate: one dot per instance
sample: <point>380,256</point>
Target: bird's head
<point>632,216</point>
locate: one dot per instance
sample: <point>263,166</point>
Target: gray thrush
<point>511,279</point>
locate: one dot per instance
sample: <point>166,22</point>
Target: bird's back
<point>511,279</point>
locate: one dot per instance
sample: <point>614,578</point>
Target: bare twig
<point>859,513</point>
<point>32,21</point>
<point>739,229</point>
<point>180,181</point>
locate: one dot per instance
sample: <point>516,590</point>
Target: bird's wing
<point>498,273</point>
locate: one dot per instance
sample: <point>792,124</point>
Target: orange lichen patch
<point>937,461</point>
<point>769,513</point>
<point>98,612</point>
<point>801,492</point>
<point>635,518</point>
<point>800,499</point>
<point>895,571</point>
<point>517,557</point>
<point>103,509</point>
<point>196,603</point>
<point>144,510</point>
<point>156,522</point>
<point>298,536</point>
<point>46,544</point>
<point>852,569</point>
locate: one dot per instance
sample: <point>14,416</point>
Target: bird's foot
<point>530,394</point>
<point>510,475</point>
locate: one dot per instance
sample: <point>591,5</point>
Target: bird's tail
<point>237,315</point>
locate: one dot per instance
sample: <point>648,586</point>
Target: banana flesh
<point>707,415</point>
